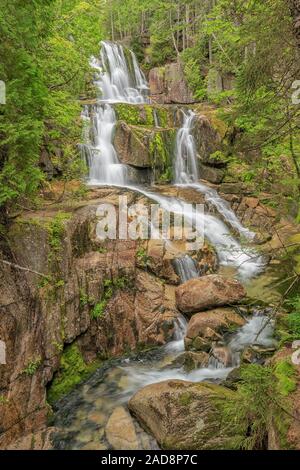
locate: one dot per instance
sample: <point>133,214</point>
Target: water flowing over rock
<point>183,415</point>
<point>208,292</point>
<point>206,327</point>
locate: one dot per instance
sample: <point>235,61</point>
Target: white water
<point>103,162</point>
<point>186,167</point>
<point>186,174</point>
<point>186,268</point>
<point>117,81</point>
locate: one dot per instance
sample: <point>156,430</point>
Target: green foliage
<point>286,375</point>
<point>44,62</point>
<point>72,371</point>
<point>294,317</point>
<point>110,286</point>
<point>32,366</point>
<point>142,256</point>
<point>56,229</point>
<point>257,403</point>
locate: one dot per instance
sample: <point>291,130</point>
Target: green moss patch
<point>72,371</point>
<point>286,375</point>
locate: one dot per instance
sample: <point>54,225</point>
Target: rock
<point>168,85</point>
<point>223,355</point>
<point>183,415</point>
<point>207,140</point>
<point>39,440</point>
<point>40,316</point>
<point>146,147</point>
<point>120,431</point>
<point>190,360</point>
<point>213,175</point>
<point>206,327</point>
<point>208,292</point>
<point>233,379</point>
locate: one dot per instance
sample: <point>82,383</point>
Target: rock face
<point>207,140</point>
<point>89,293</point>
<point>206,327</point>
<point>183,415</point>
<point>145,147</point>
<point>168,85</point>
<point>208,292</point>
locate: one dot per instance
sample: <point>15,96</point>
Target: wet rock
<point>208,292</point>
<point>183,415</point>
<point>223,355</point>
<point>120,431</point>
<point>206,327</point>
<point>190,360</point>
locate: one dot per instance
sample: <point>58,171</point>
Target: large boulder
<point>206,327</point>
<point>168,85</point>
<point>183,415</point>
<point>146,147</point>
<point>208,292</point>
<point>207,140</point>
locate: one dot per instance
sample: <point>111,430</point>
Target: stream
<point>83,414</point>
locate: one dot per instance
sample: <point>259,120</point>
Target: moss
<point>72,371</point>
<point>128,113</point>
<point>185,399</point>
<point>110,287</point>
<point>3,400</point>
<point>286,375</point>
<point>161,151</point>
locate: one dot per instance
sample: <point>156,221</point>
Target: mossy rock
<point>184,415</point>
<point>146,147</point>
<point>72,371</point>
<point>146,115</point>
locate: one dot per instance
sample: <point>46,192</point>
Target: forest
<point>171,102</point>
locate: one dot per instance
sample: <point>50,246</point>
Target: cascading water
<point>120,80</point>
<point>103,162</point>
<point>186,168</point>
<point>186,173</point>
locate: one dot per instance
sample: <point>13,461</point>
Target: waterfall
<point>186,168</point>
<point>186,174</point>
<point>118,79</point>
<point>103,162</point>
<point>186,268</point>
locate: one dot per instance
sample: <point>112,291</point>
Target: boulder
<point>120,431</point>
<point>207,140</point>
<point>183,415</point>
<point>146,147</point>
<point>190,360</point>
<point>168,85</point>
<point>211,174</point>
<point>206,327</point>
<point>208,292</point>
